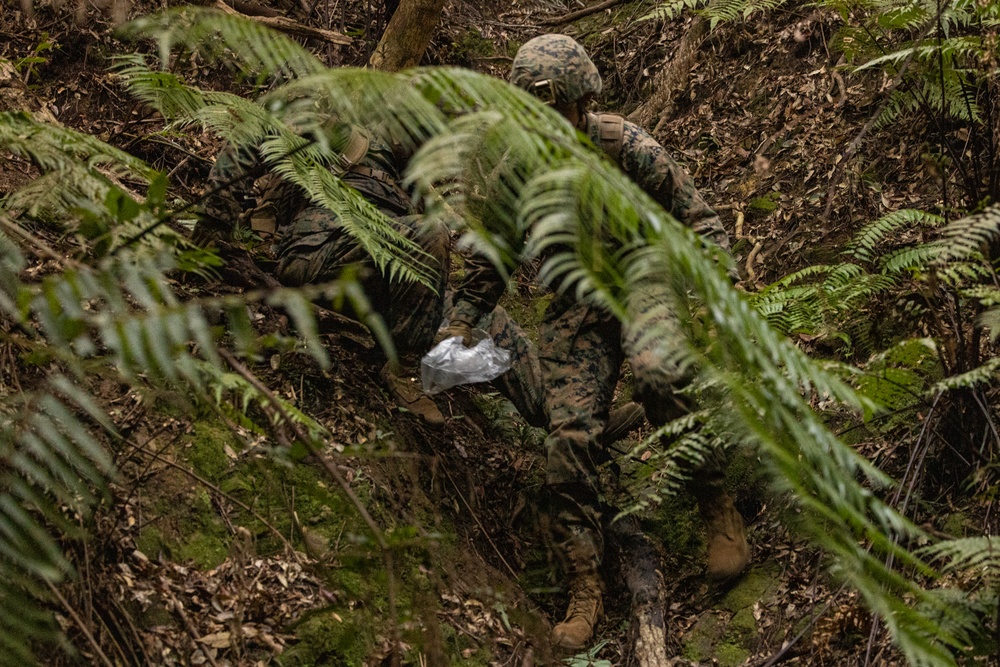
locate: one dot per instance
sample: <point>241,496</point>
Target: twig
<point>475,517</point>
<point>334,473</point>
<point>43,249</point>
<point>579,14</point>
<point>751,258</point>
<point>252,8</point>
<point>79,622</point>
<point>289,26</point>
<point>193,631</point>
<point>852,148</point>
<point>215,489</point>
<point>783,653</point>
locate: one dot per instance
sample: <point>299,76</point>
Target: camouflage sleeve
<point>228,194</point>
<point>238,185</point>
<point>648,164</point>
<point>480,290</point>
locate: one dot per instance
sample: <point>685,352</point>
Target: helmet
<point>556,69</point>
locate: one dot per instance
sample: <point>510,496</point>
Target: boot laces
<point>583,602</point>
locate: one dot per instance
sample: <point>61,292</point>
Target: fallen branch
<point>289,26</point>
<point>252,8</point>
<point>640,567</point>
<point>579,14</point>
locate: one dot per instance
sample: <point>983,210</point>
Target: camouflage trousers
<point>316,249</point>
<point>567,386</point>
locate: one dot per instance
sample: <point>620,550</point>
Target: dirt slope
<point>218,548</point>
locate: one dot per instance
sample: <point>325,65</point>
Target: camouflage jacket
<point>240,184</point>
<point>649,165</point>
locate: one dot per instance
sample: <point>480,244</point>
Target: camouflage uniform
<point>312,246</point>
<point>581,351</point>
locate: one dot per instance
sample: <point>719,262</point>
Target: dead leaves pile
<point>235,614</point>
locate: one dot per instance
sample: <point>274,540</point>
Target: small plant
<point>589,658</point>
<point>27,67</point>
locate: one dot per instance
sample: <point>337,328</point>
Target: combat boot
<point>621,422</point>
<point>586,608</point>
<point>728,551</point>
<point>408,394</point>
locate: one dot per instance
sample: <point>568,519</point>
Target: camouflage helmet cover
<point>556,69</point>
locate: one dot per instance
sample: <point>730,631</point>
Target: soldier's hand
<point>456,328</point>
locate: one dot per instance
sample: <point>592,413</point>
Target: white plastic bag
<point>451,363</point>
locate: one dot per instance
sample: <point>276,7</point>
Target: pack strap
<point>373,174</point>
<point>611,134</point>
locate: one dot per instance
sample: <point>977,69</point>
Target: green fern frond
<point>980,555</point>
<point>224,384</point>
<point>729,11</point>
<point>218,36</point>
<point>991,320</point>
<point>985,374</point>
<point>909,259</point>
<point>965,239</point>
<point>51,467</point>
<point>864,244</point>
<point>278,129</point>
<point>668,11</point>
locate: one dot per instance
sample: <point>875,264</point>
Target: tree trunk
<point>406,37</point>
<point>672,79</point>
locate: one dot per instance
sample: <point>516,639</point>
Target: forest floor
<point>218,547</point>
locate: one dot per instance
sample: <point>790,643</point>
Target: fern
<point>259,51</point>
<point>668,11</point>
<point>978,554</point>
<point>277,128</point>
<point>716,11</point>
<point>496,162</point>
<point>863,246</point>
<point>505,162</point>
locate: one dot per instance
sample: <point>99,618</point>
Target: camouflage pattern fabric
<point>239,183</point>
<point>522,385</point>
<point>229,195</point>
<point>649,165</point>
<point>580,356</point>
<point>313,247</point>
<point>556,69</point>
<point>316,249</point>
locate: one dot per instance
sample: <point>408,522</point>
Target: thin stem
<point>80,624</point>
<point>335,474</point>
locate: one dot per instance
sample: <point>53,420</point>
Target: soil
<point>218,548</point>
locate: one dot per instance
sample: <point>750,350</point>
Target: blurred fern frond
<point>496,162</point>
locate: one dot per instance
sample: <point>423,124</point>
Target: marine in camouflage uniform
<point>312,246</point>
<point>582,346</point>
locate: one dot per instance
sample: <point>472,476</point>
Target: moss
<point>956,524</point>
<point>528,310</point>
<point>473,45</point>
<point>333,639</point>
<point>742,629</point>
<point>699,642</point>
<point>758,584</point>
<point>205,448</point>
<point>728,655</point>
<point>150,541</point>
<point>204,550</point>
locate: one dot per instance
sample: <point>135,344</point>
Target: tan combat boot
<point>621,422</point>
<point>586,608</point>
<point>728,551</point>
<point>408,394</point>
